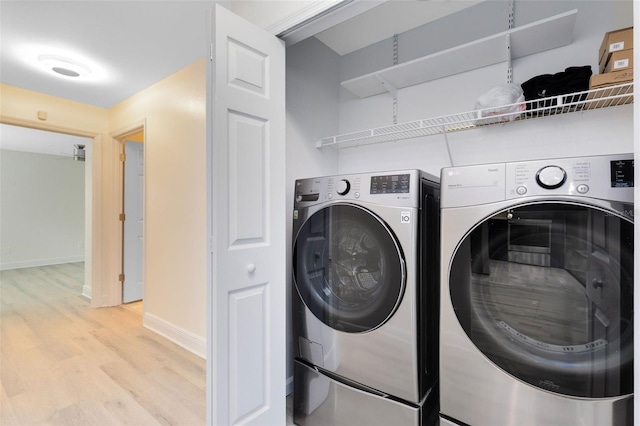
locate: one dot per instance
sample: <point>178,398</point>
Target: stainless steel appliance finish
<point>321,400</point>
<point>537,292</point>
<point>366,289</point>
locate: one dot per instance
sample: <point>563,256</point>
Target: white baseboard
<point>39,262</point>
<point>86,291</point>
<point>189,341</point>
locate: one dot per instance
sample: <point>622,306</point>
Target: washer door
<point>348,268</point>
<point>545,291</point>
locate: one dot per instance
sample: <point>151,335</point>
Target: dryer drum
<point>564,322</point>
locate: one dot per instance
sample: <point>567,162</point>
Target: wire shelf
<point>604,97</point>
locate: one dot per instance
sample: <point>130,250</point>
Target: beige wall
<point>21,106</point>
<point>174,111</point>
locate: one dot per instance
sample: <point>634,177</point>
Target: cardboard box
<point>619,61</point>
<point>606,87</point>
<point>614,41</point>
<point>611,78</point>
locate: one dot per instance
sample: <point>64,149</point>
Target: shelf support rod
<point>395,94</point>
<point>508,41</point>
<point>512,13</point>
<point>446,141</point>
<point>509,66</point>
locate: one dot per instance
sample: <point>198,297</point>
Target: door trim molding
<point>114,287</point>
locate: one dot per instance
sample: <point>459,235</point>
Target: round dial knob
<point>551,177</point>
<point>343,186</point>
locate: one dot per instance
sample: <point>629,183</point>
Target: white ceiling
<point>137,43</point>
<point>133,44</point>
<point>383,21</point>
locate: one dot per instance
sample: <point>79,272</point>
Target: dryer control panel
<point>609,177</point>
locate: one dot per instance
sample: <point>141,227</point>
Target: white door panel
<point>247,156</point>
<point>246,149</point>
<point>134,221</point>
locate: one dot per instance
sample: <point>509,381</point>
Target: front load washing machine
<point>537,292</point>
<point>365,303</point>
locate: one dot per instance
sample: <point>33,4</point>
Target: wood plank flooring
<point>64,363</point>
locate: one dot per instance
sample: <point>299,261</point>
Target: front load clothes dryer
<point>537,292</point>
<point>365,302</point>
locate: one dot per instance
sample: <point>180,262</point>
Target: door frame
<point>92,268</point>
<point>119,138</point>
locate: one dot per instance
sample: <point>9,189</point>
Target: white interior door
<point>133,224</point>
<point>246,149</point>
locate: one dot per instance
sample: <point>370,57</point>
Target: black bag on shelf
<point>541,87</point>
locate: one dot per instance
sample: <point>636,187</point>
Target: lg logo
<point>405,217</point>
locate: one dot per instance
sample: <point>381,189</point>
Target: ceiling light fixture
<point>64,63</point>
<point>63,66</point>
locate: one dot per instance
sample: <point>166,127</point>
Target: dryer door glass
<point>545,291</point>
<point>348,268</point>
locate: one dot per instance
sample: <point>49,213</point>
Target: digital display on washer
<point>390,184</point>
<point>622,174</point>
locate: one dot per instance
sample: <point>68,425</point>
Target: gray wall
<point>604,131</point>
<point>312,112</point>
<point>42,209</point>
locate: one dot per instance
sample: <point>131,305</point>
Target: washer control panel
<point>396,188</point>
<point>608,177</point>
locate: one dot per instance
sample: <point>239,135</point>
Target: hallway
<point>62,362</point>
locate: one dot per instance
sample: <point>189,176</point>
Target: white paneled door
<point>134,222</point>
<point>246,149</point>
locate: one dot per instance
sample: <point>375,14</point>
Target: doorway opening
<point>131,146</point>
<point>46,203</point>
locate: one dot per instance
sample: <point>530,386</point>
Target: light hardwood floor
<point>62,362</point>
